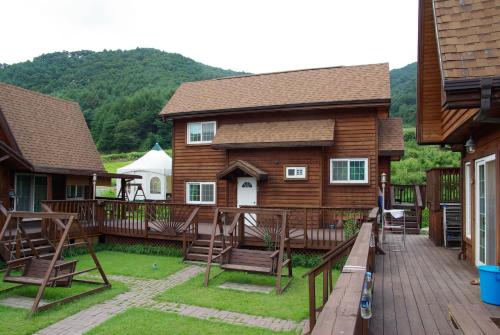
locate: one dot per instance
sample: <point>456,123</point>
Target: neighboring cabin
<point>458,103</point>
<point>317,137</point>
<point>46,150</point>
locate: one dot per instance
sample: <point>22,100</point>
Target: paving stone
<point>247,287</point>
<point>21,302</point>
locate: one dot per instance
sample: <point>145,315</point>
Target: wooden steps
<point>43,247</point>
<point>200,248</point>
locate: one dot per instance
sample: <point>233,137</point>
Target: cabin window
<point>30,190</point>
<point>350,170</point>
<point>155,185</point>
<point>201,132</point>
<point>200,193</point>
<point>75,192</point>
<point>295,172</point>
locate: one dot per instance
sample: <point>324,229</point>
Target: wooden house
<point>311,138</point>
<point>46,150</point>
<point>459,105</point>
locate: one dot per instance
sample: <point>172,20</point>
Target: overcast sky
<point>252,35</point>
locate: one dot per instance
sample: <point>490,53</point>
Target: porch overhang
<point>245,167</point>
<point>299,133</point>
<point>7,154</point>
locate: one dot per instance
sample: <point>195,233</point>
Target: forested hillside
<point>403,93</point>
<point>120,92</point>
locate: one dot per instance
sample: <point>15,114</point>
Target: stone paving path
<point>141,293</point>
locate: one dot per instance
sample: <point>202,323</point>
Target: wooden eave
<point>374,103</point>
<point>89,173</point>
<point>288,144</point>
<point>246,168</point>
<point>7,153</point>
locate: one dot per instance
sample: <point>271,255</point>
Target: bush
<point>141,249</point>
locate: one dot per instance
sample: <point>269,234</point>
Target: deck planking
<point>413,289</point>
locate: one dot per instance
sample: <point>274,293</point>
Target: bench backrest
<point>251,257</point>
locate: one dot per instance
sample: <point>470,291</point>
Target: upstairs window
<point>201,132</point>
<point>295,172</point>
<point>200,193</point>
<point>349,171</point>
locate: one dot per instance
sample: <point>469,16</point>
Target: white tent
<point>155,167</point>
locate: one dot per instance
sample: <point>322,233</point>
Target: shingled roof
<point>50,133</point>
<point>390,137</point>
<point>347,85</point>
<point>468,33</point>
<point>275,134</point>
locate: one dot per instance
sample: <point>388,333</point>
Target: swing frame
<point>63,222</point>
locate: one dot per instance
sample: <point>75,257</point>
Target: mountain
<point>120,92</point>
<point>404,92</point>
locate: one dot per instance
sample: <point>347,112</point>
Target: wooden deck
<point>413,289</point>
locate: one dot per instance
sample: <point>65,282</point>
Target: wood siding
<point>355,137</point>
<point>487,143</point>
<point>454,119</point>
<point>429,79</point>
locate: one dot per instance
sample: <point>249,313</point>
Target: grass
<point>140,266</point>
<point>15,321</point>
<point>112,166</point>
<point>292,304</point>
<point>137,320</point>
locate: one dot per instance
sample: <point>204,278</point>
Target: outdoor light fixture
<point>470,146</point>
<point>383,178</point>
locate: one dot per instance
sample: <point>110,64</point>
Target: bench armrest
<point>19,261</point>
<point>274,254</point>
<point>65,263</point>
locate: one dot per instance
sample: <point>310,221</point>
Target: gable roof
<point>390,137</point>
<point>245,167</point>
<point>298,133</point>
<point>468,32</point>
<point>363,84</point>
<point>50,133</point>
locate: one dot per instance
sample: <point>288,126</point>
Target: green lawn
<point>292,304</point>
<point>137,321</point>
<point>135,265</point>
<point>15,321</point>
<point>112,166</point>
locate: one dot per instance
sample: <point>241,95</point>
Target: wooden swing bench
<point>236,258</point>
<point>55,272</point>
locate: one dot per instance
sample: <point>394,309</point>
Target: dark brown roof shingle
<point>468,37</point>
<point>315,86</point>
<point>390,137</point>
<point>50,132</point>
<point>275,134</point>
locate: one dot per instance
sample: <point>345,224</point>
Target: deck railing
<point>408,194</point>
<point>322,227</point>
<point>338,312</point>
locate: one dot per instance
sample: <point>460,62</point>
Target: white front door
<point>485,199</point>
<point>247,196</point>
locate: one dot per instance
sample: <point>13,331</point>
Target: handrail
<point>343,300</point>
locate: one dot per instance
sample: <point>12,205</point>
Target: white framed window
<point>295,172</point>
<point>200,193</point>
<point>349,171</point>
<point>468,204</point>
<point>75,192</point>
<point>155,185</point>
<point>201,132</point>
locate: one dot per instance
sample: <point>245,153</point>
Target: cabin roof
<point>468,33</point>
<point>390,137</point>
<point>344,85</point>
<point>49,132</point>
<point>298,133</point>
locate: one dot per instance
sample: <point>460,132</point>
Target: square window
<point>200,193</point>
<point>349,171</point>
<point>295,172</point>
<point>201,132</point>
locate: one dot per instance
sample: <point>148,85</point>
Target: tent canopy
<point>155,160</point>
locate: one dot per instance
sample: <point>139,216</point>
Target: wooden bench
<point>250,260</point>
<point>34,270</point>
<point>472,319</point>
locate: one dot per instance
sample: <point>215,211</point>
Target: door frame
<point>477,163</point>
